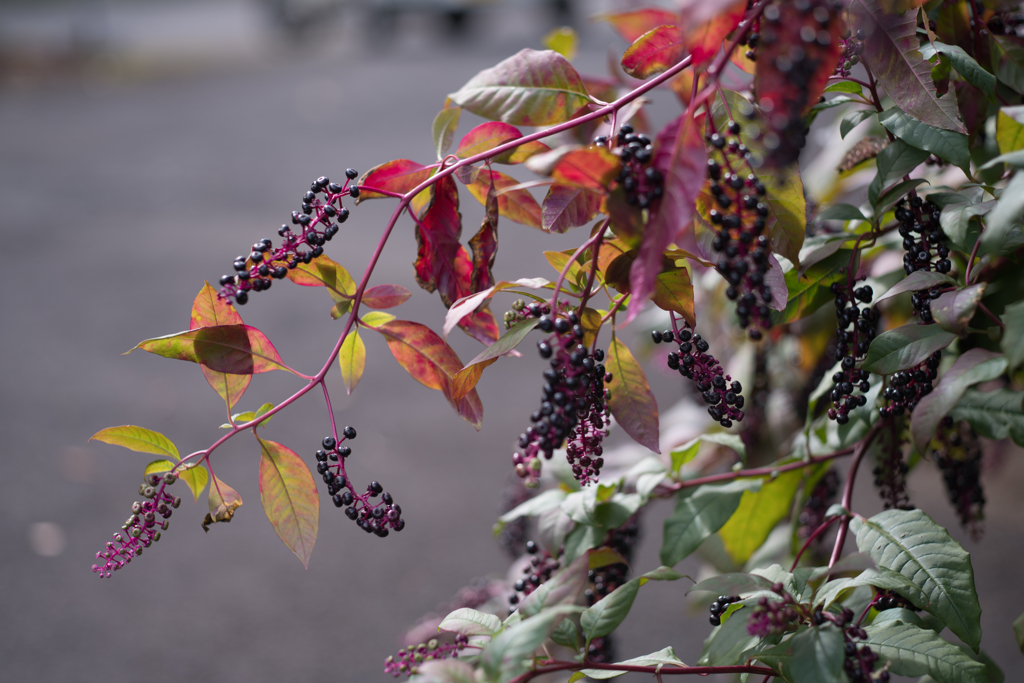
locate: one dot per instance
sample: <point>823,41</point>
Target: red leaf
<point>566,207</point>
<point>631,402</point>
<point>515,205</point>
<point>232,349</point>
<point>400,175</point>
<point>591,168</point>
<point>486,137</point>
<point>208,310</point>
<point>632,25</point>
<point>484,245</point>
<point>657,50</point>
<point>431,362</point>
<point>386,296</point>
<point>289,498</point>
<point>705,36</point>
<point>682,160</point>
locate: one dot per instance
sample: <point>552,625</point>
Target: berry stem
<point>810,539</point>
<point>593,264</point>
<point>760,471</point>
<point>330,411</point>
<point>851,477</point>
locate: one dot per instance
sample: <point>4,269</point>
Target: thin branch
<point>851,477</point>
<point>761,471</point>
<point>663,670</point>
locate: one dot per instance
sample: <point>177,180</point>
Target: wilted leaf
<point>632,403</point>
<point>224,500</point>
<point>289,498</point>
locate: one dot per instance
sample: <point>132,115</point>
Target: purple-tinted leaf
<point>631,402</point>
<point>530,88</point>
<point>486,137</point>
<point>953,310</point>
<point>681,158</point>
<point>656,51</point>
<point>904,347</point>
<point>776,282</point>
<point>973,367</point>
<point>891,50</point>
<point>224,500</point>
<point>916,281</point>
<point>233,349</point>
<point>386,296</point>
<point>484,244</point>
<point>289,498</point>
<point>566,207</point>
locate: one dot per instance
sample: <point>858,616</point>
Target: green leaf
<point>916,281</point>
<point>733,583</point>
<point>506,342</point>
<point>444,671</point>
<point>973,367</point>
<point>812,290</point>
<point>887,199</point>
<point>904,347</point>
<point>914,651</point>
<point>897,160</point>
<point>158,467</point>
<point>953,310</point>
<point>1003,226</point>
<point>955,220</point>
<point>539,504</point>
<point>138,439</point>
<point>757,514</point>
<point>289,498</point>
<point>1010,129</point>
<point>841,212</point>
<point>632,403</point>
<point>993,414</point>
<point>605,615</point>
<point>684,455</point>
<point>908,541</point>
<point>814,654</point>
<point>730,643</point>
<point>581,539</point>
<point>844,86</point>
<point>880,577</point>
<point>530,88</point>
<point>1012,342</point>
<point>662,658</point>
<point>965,65</point>
<point>700,512</point>
<point>443,128</point>
<point>352,359</point>
<point>673,292</point>
<point>945,144</point>
<point>891,51</point>
<point>501,658</point>
<point>470,622</point>
<point>854,119</point>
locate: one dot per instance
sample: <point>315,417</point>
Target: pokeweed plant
<point>920,361</point>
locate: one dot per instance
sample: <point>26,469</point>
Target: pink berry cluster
<point>409,658</point>
<point>370,516</point>
<point>142,529</point>
<point>316,223</point>
<point>773,617</point>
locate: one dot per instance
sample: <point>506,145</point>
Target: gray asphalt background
<point>119,195</point>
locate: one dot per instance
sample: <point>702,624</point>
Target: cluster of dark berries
<point>773,617</point>
<point>923,241</point>
<point>753,37</point>
<point>859,664</point>
<point>693,362</point>
<point>855,330</point>
<point>908,386</point>
<point>642,183</point>
<point>885,600</point>
<point>408,658</point>
<point>852,46</point>
<point>317,222</point>
<point>739,223</point>
<point>798,38</point>
<point>958,455</point>
<point>539,570</point>
<point>1004,23</point>
<point>573,405</point>
<point>890,471</point>
<point>812,516</point>
<point>370,516</point>
<point>142,529</point>
<point>719,606</point>
<point>604,580</point>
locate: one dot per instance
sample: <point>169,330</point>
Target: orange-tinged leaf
<point>289,498</point>
<point>633,24</point>
<point>705,39</point>
<point>521,153</point>
<point>386,296</point>
<point>352,359</point>
<point>233,349</point>
<point>486,137</point>
<point>631,402</point>
<point>673,292</point>
<point>484,245</point>
<point>466,379</point>
<point>400,175</point>
<point>224,500</point>
<point>208,309</point>
<point>591,168</point>
<point>530,88</point>
<point>323,272</point>
<point>566,207</point>
<point>516,205</point>
<point>657,50</point>
<point>138,439</point>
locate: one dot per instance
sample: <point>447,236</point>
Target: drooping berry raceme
<point>852,47</point>
<point>317,222</point>
<point>925,247</point>
<point>368,514</point>
<point>642,183</point>
<point>739,221</point>
<point>719,391</point>
<point>907,387</point>
<point>957,452</point>
<point>143,528</point>
<point>573,404</point>
<point>408,659</point>
<point>604,580</point>
<point>856,329</point>
<point>890,469</point>
<point>539,570</point>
